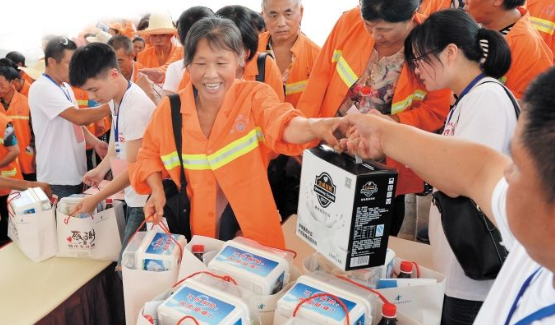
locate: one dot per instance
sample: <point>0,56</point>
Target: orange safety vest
<point>12,169</point>
<point>25,89</point>
<point>27,78</point>
<point>542,16</point>
<point>529,53</point>
<point>428,7</point>
<point>248,126</point>
<point>304,52</point>
<point>272,76</point>
<point>18,112</point>
<point>149,59</point>
<point>342,60</point>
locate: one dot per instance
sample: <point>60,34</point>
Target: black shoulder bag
<point>473,238</point>
<point>177,208</point>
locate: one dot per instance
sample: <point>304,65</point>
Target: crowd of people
<point>431,88</point>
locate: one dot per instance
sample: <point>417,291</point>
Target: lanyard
<point>463,93</point>
<point>116,127</point>
<point>62,89</point>
<point>537,315</point>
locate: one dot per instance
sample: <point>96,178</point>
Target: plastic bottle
<point>406,270</point>
<point>198,251</point>
<point>389,312</point>
<point>108,204</point>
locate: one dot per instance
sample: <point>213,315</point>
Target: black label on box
<point>324,189</point>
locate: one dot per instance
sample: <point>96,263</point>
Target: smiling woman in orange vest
<point>362,65</point>
<point>229,126</point>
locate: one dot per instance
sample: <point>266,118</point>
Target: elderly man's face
<point>282,18</point>
<point>160,39</point>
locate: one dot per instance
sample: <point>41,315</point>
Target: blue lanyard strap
<point>463,93</point>
<point>538,315</point>
<point>62,89</point>
<point>116,127</point>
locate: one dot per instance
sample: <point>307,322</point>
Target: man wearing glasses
<point>58,123</point>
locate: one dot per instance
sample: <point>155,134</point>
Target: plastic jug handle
<point>226,278</point>
<point>187,317</point>
<point>348,320</point>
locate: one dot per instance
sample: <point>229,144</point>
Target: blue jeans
<point>66,190</point>
<point>459,311</point>
<point>133,219</point>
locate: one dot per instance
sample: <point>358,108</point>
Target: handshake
<point>359,134</point>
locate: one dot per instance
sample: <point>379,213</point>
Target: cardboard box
<point>345,208</point>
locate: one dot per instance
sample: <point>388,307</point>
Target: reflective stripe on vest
<point>343,68</point>
<point>402,105</point>
<point>9,173</point>
<point>83,102</point>
<point>218,159</point>
<point>19,117</point>
<point>543,25</point>
<point>294,88</point>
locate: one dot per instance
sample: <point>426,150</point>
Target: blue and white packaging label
<point>202,307</point>
<point>247,261</point>
<point>161,244</point>
<point>325,306</point>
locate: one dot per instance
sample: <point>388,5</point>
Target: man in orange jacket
<point>530,55</point>
<point>542,16</point>
<point>19,59</point>
<point>20,84</point>
<point>156,58</point>
<point>16,107</point>
<point>293,51</point>
<point>125,54</point>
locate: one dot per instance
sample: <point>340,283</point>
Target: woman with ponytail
<point>450,50</point>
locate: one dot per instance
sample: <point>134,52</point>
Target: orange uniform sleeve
<point>313,96</point>
<point>430,113</point>
<point>273,116</point>
<point>149,158</point>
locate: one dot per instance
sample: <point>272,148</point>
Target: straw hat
<point>159,24</point>
<point>36,70</point>
<point>100,37</point>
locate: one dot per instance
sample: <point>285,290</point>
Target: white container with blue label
<point>325,310</point>
<point>255,268</point>
<point>32,200</point>
<point>153,251</point>
<point>208,305</point>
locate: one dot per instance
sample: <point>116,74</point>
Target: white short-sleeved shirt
<point>516,269</point>
<point>174,74</point>
<point>61,159</point>
<point>485,115</point>
<point>133,117</point>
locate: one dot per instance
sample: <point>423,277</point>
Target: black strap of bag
<point>510,94</point>
<point>177,208</point>
<point>261,62</point>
